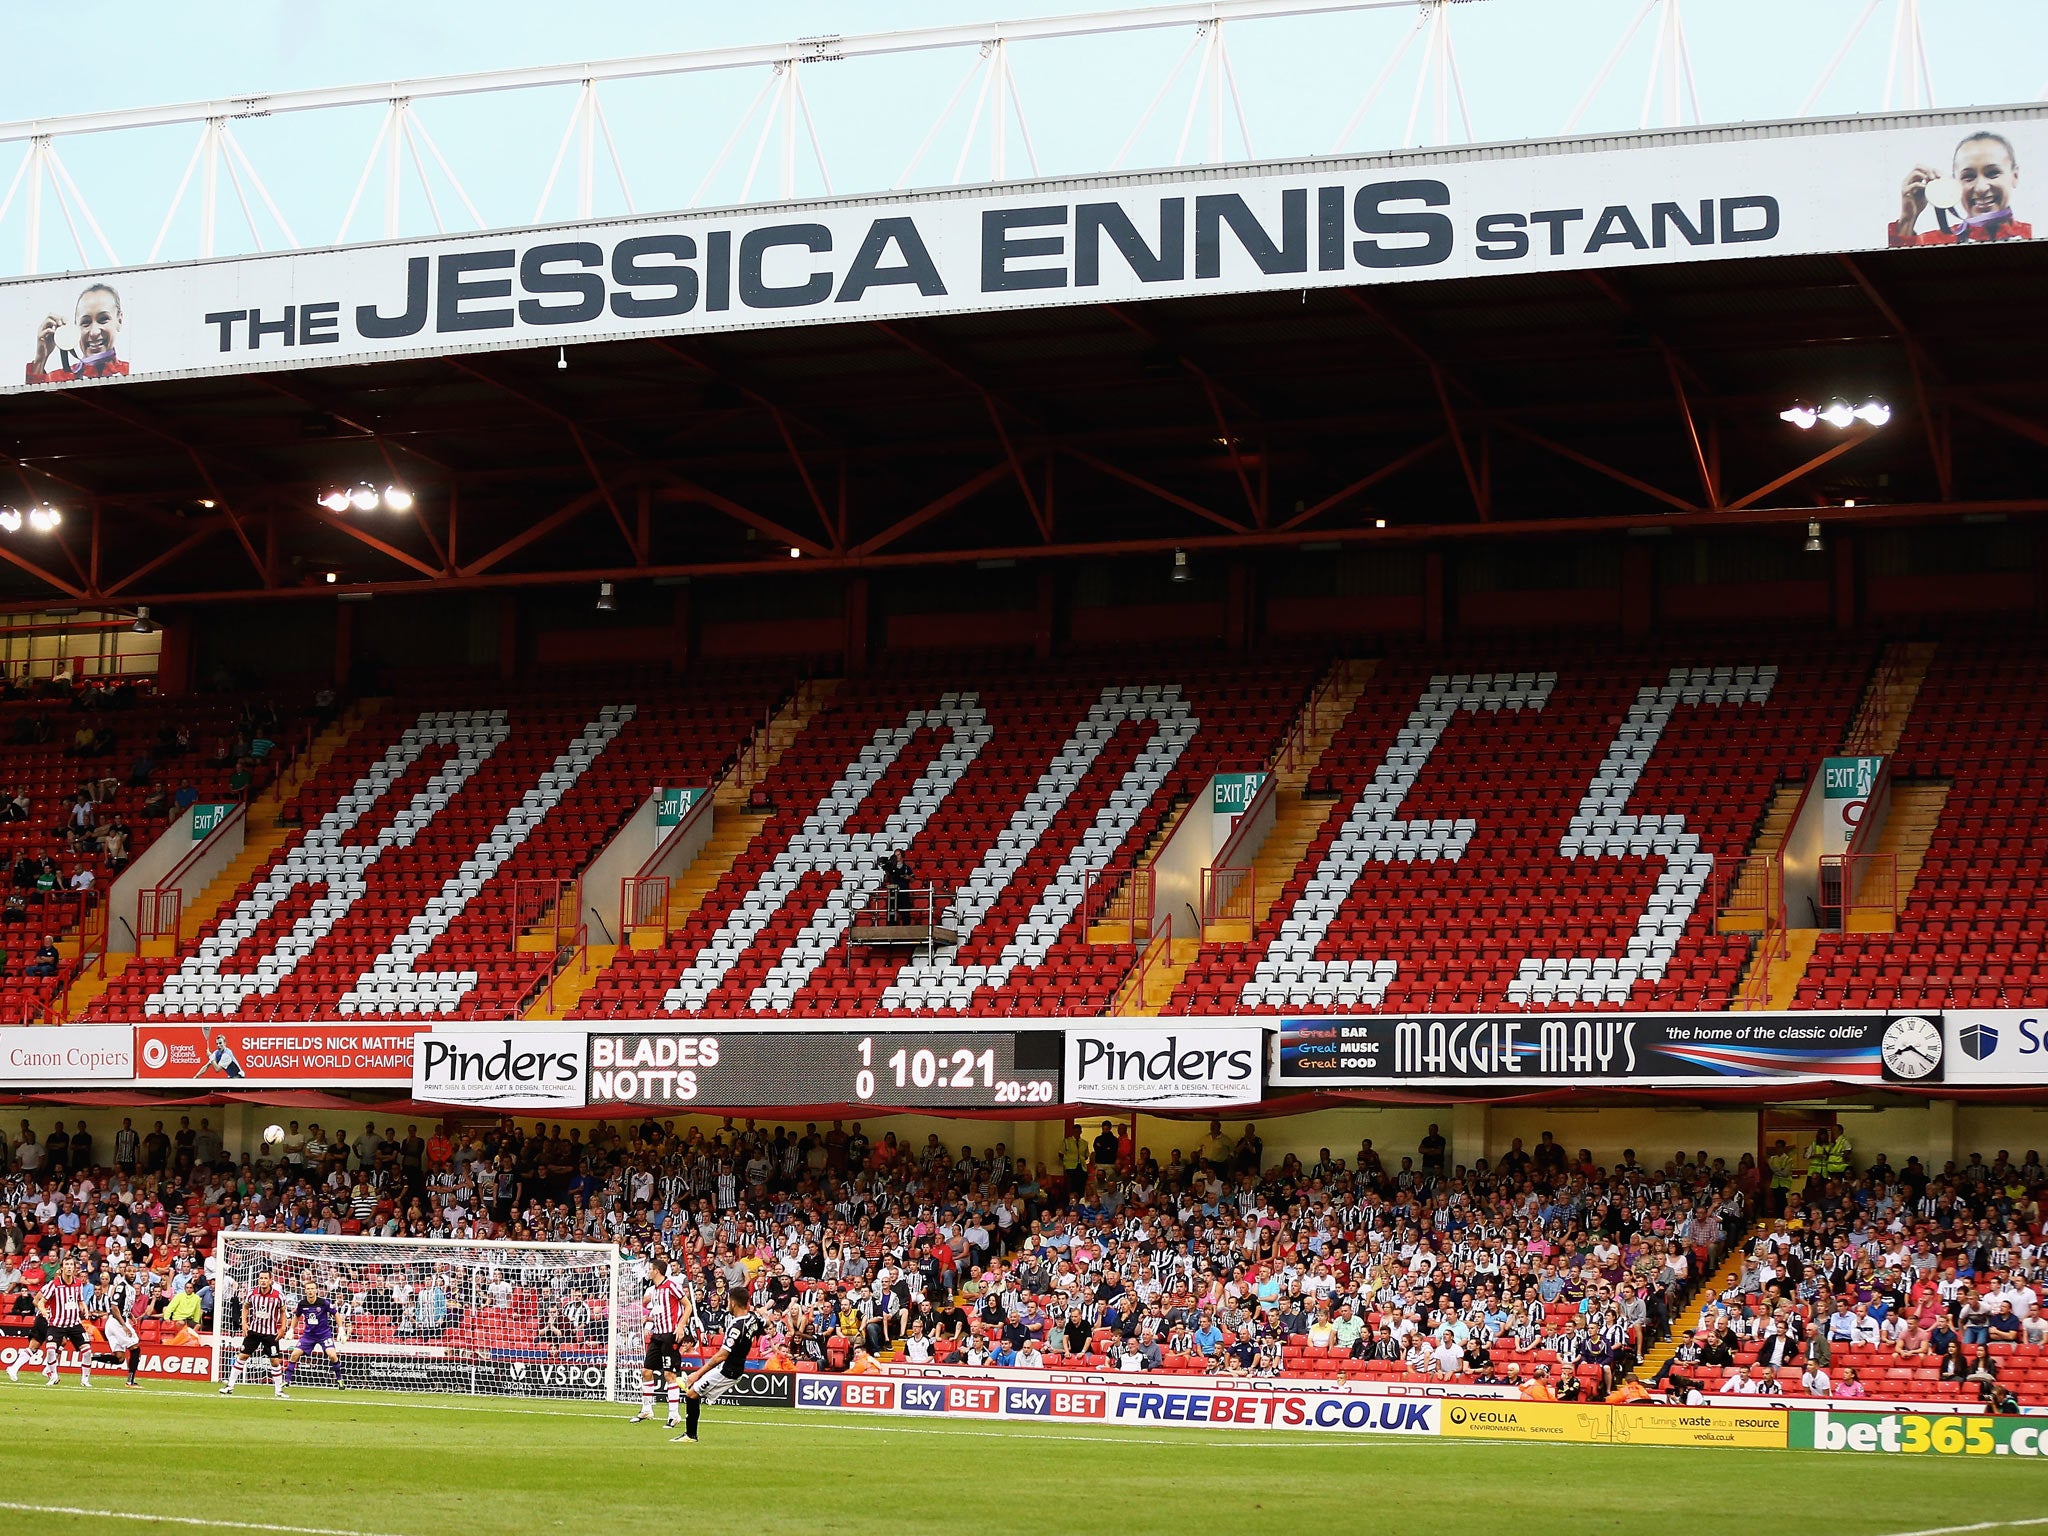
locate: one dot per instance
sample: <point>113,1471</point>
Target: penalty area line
<point>193,1520</point>
<point>1981,1525</point>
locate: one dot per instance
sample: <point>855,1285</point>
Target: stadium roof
<point>1568,403</point>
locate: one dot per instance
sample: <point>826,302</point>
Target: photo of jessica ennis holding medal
<point>86,346</point>
<point>1971,201</point>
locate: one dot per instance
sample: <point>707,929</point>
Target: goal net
<point>488,1318</point>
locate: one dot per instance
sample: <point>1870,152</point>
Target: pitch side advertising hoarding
<point>307,1055</point>
<point>1997,1045</point>
<point>1177,1402</point>
<point>1605,1424</point>
<point>1599,203</point>
<point>1920,1434</point>
<point>500,1069</point>
<point>1641,1050</point>
<point>1180,1068</point>
<point>77,1053</point>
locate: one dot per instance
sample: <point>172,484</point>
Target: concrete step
<point>572,982</point>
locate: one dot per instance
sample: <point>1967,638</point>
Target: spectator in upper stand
<point>156,806</point>
<point>1433,1150</point>
<point>114,845</point>
<point>47,957</point>
<point>185,798</point>
<point>81,741</point>
<point>1104,1151</point>
<point>82,882</point>
<point>142,770</point>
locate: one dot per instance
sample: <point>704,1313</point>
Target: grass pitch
<point>179,1458</point>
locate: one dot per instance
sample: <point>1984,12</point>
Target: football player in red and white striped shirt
<point>263,1314</point>
<point>61,1308</point>
<point>667,1302</point>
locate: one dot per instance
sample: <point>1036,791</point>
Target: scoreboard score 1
<point>909,1069</point>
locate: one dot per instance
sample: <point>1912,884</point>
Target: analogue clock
<point>1912,1046</point>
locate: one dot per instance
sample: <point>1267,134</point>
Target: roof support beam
<point>1619,476</point>
<point>1366,482</point>
<point>1826,456</point>
<point>527,535</point>
<point>100,400</point>
<point>1929,394</point>
<point>938,506</point>
<point>1698,518</point>
<point>1681,374</point>
<point>391,551</point>
<point>1153,488</point>
<point>191,541</point>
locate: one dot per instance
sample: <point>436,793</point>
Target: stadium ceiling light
<point>561,357</point>
<point>1801,415</point>
<point>1876,412</point>
<point>397,498</point>
<point>334,499</point>
<point>332,578</point>
<point>1839,414</point>
<point>1379,522</point>
<point>1814,545</point>
<point>364,497</point>
<point>142,626</point>
<point>795,553</point>
<point>10,519</point>
<point>45,518</point>
<point>1181,573</point>
<point>607,597</point>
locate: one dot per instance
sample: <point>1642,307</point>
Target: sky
<point>1524,64</point>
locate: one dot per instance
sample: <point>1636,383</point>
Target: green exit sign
<point>205,817</point>
<point>671,805</point>
<point>1232,792</point>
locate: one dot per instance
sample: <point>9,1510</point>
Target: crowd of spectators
<point>1890,1267</point>
<point>1542,1268</point>
<point>1542,1271</point>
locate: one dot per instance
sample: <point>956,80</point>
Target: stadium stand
<point>1522,826</point>
<point>1019,792</point>
<point>398,894</point>
<point>89,775</point>
<point>1969,933</point>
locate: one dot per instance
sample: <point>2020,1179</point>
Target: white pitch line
<point>1981,1525</point>
<point>211,1525</point>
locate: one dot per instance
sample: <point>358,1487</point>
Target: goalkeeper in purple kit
<point>317,1322</point>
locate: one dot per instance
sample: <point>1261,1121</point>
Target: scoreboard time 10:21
<point>759,1069</point>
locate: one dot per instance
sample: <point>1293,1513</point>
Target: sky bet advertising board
<point>1940,179</point>
<point>1141,1401</point>
<point>1642,1050</point>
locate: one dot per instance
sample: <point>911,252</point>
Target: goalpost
<point>496,1319</point>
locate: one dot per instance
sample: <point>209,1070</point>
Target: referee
<point>722,1372</point>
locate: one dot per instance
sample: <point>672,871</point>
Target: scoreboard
<point>909,1069</point>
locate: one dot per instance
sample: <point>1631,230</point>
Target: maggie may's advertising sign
<point>1803,189</point>
<point>1679,1049</point>
<point>521,1069</point>
<point>1165,1068</point>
